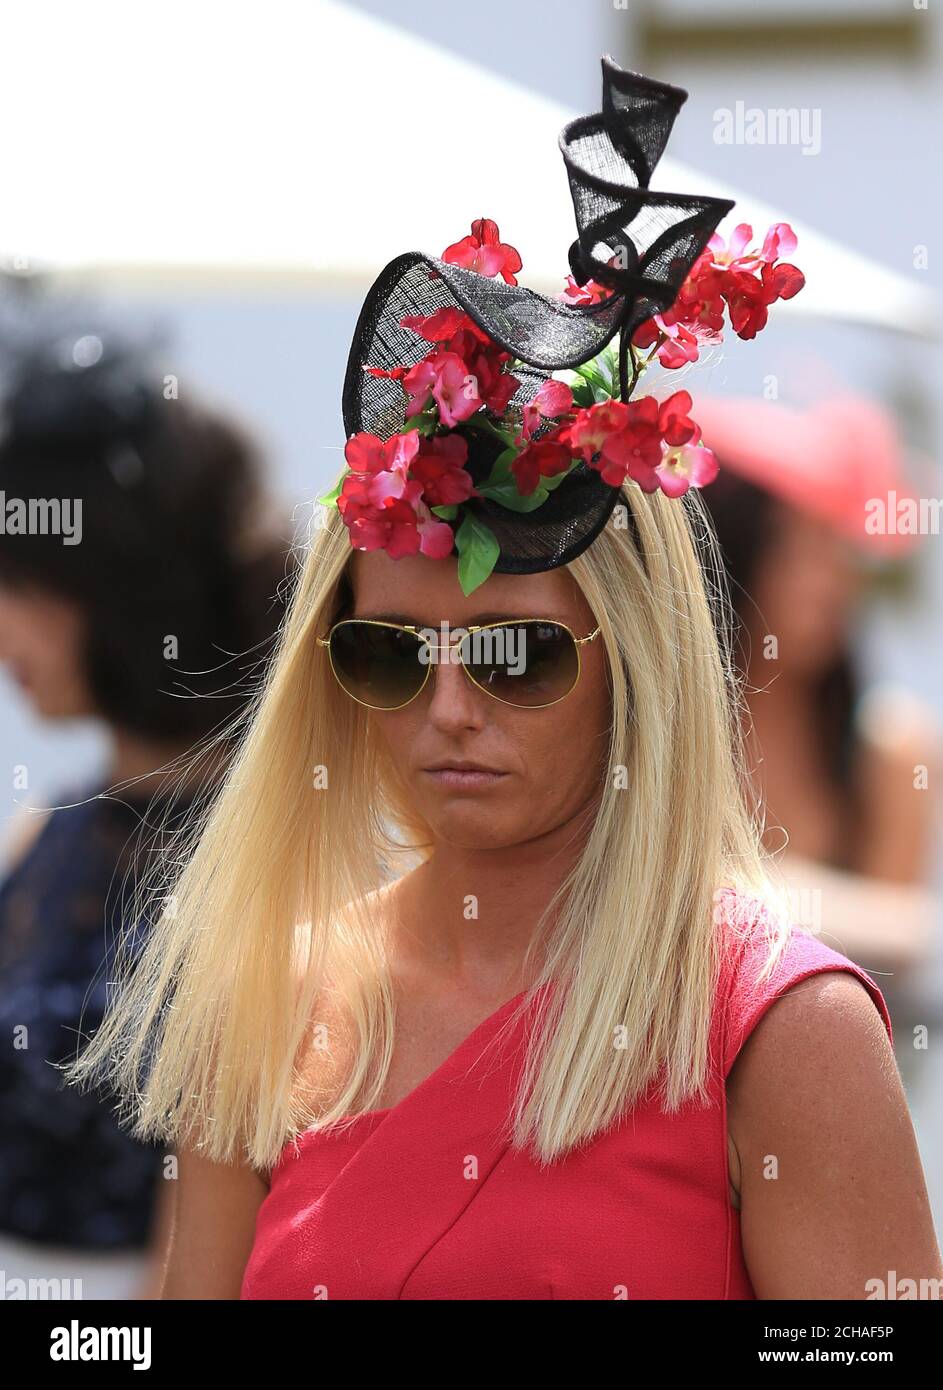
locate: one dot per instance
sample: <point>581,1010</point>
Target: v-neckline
<point>436,1073</point>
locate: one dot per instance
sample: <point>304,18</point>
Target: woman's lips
<point>464,779</point>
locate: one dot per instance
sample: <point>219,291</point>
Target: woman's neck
<point>470,914</point>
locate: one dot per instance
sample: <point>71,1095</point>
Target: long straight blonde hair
<point>209,1027</point>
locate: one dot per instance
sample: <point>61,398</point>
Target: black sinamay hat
<point>638,244</point>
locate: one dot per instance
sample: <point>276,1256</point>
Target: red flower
<point>495,385</point>
<point>444,325</point>
<point>391,527</point>
<point>485,252</point>
<point>436,538</point>
<point>748,295</point>
<point>592,426</point>
<point>746,280</point>
<point>394,373</point>
<point>748,298</point>
<point>674,423</point>
<point>635,450</point>
<point>378,467</point>
<point>542,458</point>
<point>440,468</point>
<point>399,525</point>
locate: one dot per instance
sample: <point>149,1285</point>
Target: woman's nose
<point>455,701</point>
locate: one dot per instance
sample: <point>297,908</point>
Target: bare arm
<point>888,924</point>
<point>150,1284</point>
<point>832,1190</point>
<point>213,1228</point>
<point>886,912</point>
<point>898,775</point>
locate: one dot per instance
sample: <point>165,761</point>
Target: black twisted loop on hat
<point>637,243</point>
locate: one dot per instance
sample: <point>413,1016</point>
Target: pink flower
<point>780,240</point>
<point>440,468</point>
<point>748,296</point>
<point>552,400</point>
<point>485,252</point>
<point>680,345</point>
<point>445,377</point>
<point>436,538</point>
<point>590,293</point>
<point>732,257</point>
<point>685,466</point>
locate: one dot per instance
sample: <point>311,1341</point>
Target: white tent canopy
<point>297,142</point>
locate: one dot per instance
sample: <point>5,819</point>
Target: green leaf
<point>583,394</point>
<point>422,422</point>
<point>506,493</point>
<point>558,478</point>
<point>592,378</point>
<point>448,511</point>
<point>482,422</point>
<point>501,468</point>
<point>329,499</point>
<point>478,552</point>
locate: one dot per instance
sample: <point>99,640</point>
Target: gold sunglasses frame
<point>468,631</point>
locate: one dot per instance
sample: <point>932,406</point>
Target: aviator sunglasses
<point>526,662</point>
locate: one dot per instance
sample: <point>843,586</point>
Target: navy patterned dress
<point>70,1175</point>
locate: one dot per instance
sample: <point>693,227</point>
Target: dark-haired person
<point>795,509</point>
<point>155,617</point>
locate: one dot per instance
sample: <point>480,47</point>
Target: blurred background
<point>223,188</point>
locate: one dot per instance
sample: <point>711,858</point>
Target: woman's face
<point>804,591</point>
<point>550,760</point>
<point>41,638</point>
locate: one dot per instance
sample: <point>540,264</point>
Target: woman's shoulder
<point>764,954</point>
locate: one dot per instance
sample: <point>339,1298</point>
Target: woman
<point>166,591</point>
<point>837,765</point>
<point>475,986</point>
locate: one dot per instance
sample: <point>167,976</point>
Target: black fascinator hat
<point>527,489</point>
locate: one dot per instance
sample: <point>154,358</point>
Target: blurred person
<point>154,617</point>
<point>836,763</point>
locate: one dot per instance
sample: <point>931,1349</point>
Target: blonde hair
<point>205,1039</point>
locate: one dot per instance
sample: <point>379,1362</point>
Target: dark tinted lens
<point>529,663</point>
<point>377,665</point>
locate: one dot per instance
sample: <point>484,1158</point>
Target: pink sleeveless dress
<point>426,1200</point>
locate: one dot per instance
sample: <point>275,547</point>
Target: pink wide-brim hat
<point>828,461</point>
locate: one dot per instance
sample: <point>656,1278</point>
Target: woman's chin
<point>466,825</point>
